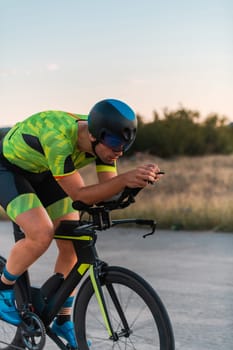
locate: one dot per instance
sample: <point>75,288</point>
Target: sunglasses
<point>114,143</point>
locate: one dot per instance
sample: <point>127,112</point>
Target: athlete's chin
<point>111,160</point>
<point>107,160</point>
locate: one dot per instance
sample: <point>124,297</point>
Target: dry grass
<point>195,193</point>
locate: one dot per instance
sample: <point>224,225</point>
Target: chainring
<point>33,332</point>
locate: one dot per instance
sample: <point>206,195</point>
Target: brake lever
<point>153,226</point>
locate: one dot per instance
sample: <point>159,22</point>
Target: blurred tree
<point>180,132</point>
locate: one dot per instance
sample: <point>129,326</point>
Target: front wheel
<point>140,322</point>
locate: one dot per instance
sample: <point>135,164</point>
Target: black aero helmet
<point>113,123</point>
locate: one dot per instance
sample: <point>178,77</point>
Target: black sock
<point>4,286</point>
<point>62,319</point>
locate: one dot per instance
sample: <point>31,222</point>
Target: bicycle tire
<point>137,298</point>
<point>9,334</point>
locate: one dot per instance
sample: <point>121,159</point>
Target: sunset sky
<point>68,54</point>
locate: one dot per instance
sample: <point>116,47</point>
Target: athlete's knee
<point>41,237</point>
<point>45,239</point>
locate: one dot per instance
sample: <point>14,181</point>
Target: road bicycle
<point>114,307</point>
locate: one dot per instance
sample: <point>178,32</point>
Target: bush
<point>181,133</point>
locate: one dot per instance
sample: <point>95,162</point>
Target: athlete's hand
<point>142,176</point>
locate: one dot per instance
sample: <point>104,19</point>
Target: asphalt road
<point>191,271</point>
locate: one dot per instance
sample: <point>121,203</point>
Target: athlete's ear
<point>92,138</point>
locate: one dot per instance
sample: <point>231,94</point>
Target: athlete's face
<point>107,154</point>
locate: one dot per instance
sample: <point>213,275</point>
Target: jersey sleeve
<point>103,167</point>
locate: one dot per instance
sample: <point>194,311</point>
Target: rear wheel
<point>144,323</point>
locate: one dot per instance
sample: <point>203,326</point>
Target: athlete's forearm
<point>102,191</point>
<point>74,186</point>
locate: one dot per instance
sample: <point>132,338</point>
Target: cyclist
<point>39,179</point>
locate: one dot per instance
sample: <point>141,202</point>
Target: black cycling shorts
<point>21,190</point>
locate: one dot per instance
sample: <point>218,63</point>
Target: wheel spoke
<point>141,307</point>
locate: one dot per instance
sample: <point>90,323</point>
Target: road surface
<point>191,271</point>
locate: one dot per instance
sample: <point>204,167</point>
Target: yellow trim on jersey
<point>59,177</point>
<point>103,167</point>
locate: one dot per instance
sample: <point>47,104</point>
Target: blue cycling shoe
<point>8,311</point>
<point>66,331</point>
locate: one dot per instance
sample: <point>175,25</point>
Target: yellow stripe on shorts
<point>60,208</point>
<point>21,204</point>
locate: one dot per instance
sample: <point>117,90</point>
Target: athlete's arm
<point>106,175</point>
<point>74,186</point>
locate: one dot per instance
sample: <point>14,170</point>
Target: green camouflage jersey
<point>47,141</point>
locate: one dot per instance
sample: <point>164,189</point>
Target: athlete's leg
<point>66,254</point>
<point>38,229</point>
<point>59,207</point>
<point>62,325</point>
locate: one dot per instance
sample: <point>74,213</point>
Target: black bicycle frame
<point>84,245</point>
<point>83,237</point>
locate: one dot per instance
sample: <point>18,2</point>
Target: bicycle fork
<point>95,279</point>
